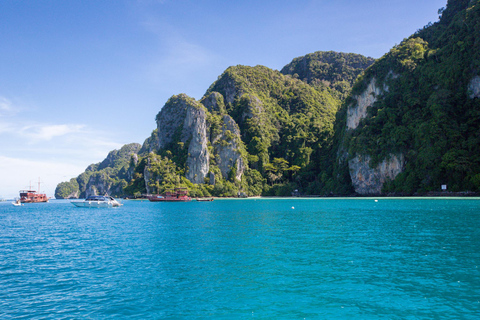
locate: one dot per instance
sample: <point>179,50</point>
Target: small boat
<point>97,202</point>
<point>17,203</point>
<point>179,195</point>
<point>204,199</point>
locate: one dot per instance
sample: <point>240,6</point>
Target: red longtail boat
<point>178,195</point>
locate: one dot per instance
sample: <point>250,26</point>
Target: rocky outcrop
<point>227,149</point>
<point>474,88</point>
<point>183,119</point>
<point>67,190</point>
<point>73,195</point>
<point>230,89</point>
<point>170,119</point>
<point>131,169</point>
<point>358,111</point>
<point>369,181</point>
<point>195,132</point>
<point>365,179</point>
<point>147,176</point>
<point>100,184</point>
<point>214,103</point>
<point>117,158</point>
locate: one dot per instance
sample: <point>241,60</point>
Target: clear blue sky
<point>79,78</point>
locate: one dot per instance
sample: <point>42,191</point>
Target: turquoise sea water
<point>242,259</point>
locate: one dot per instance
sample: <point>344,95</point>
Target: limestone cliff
<point>227,146</point>
<point>214,103</point>
<point>101,183</point>
<point>182,120</point>
<point>195,134</point>
<point>171,119</point>
<point>121,157</point>
<point>366,99</point>
<point>474,88</point>
<point>367,180</point>
<point>107,177</point>
<point>67,190</point>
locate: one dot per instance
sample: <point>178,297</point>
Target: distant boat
<point>32,196</point>
<point>97,202</point>
<point>17,203</point>
<point>179,195</point>
<point>204,199</point>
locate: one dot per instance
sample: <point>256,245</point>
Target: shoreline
<point>354,198</point>
<point>430,195</point>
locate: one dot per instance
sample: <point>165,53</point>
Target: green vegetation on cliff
<point>67,189</point>
<point>428,112</point>
<point>331,69</point>
<point>281,118</point>
<point>107,177</point>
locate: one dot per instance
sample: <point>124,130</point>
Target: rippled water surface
<point>242,259</point>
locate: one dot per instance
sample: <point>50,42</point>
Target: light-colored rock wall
<point>368,180</point>
<point>195,130</point>
<point>228,155</point>
<point>147,176</point>
<point>170,118</point>
<point>474,88</point>
<point>100,184</point>
<point>358,111</point>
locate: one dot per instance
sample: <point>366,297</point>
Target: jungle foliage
<point>335,70</point>
<point>427,113</point>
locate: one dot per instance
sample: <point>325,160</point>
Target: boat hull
<point>169,200</point>
<point>95,204</point>
<point>33,201</point>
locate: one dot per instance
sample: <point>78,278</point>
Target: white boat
<point>97,202</point>
<point>17,203</point>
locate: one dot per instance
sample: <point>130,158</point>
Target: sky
<point>79,78</point>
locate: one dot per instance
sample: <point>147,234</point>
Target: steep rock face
<point>183,119</point>
<point>214,102</point>
<point>358,111</point>
<point>100,184</point>
<point>67,190</point>
<point>131,168</point>
<point>170,119</point>
<point>226,148</point>
<point>72,195</point>
<point>474,88</point>
<point>195,131</point>
<point>367,180</point>
<point>147,176</point>
<point>120,157</point>
<point>230,90</point>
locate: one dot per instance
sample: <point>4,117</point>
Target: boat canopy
<point>98,198</point>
